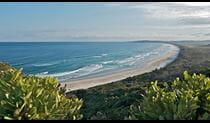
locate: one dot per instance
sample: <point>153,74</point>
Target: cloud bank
<point>134,21</point>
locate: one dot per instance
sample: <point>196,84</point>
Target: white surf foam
<point>100,56</point>
<point>43,73</point>
<point>107,62</point>
<point>48,64</point>
<point>79,72</point>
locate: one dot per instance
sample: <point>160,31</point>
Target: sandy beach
<point>91,82</point>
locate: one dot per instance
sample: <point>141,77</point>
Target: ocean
<point>77,60</point>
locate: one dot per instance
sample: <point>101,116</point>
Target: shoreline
<point>101,80</point>
<point>115,98</point>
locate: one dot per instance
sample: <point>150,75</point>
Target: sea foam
<point>77,73</point>
<point>100,56</point>
<point>48,64</point>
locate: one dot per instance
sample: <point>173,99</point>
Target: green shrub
<point>33,98</point>
<point>187,99</point>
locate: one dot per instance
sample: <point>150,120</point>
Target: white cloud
<point>159,21</point>
<point>113,4</point>
<point>193,3</point>
<point>168,10</point>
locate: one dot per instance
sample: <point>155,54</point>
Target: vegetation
<point>4,67</point>
<point>32,98</point>
<point>115,104</point>
<point>112,101</point>
<point>187,99</point>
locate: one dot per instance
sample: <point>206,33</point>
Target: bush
<point>4,67</point>
<point>187,99</point>
<point>33,98</point>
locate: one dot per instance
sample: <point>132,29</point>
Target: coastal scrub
<point>186,99</point>
<point>33,98</point>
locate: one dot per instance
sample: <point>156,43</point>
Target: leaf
<point>8,118</point>
<point>7,95</point>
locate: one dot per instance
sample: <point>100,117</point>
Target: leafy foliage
<point>32,98</point>
<point>4,67</point>
<point>110,105</point>
<point>187,99</point>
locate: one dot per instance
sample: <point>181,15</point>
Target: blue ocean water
<point>71,61</point>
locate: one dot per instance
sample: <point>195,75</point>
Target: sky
<point>108,21</point>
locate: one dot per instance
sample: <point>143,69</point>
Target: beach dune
<point>101,80</point>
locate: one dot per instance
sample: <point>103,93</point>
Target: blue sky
<point>104,21</point>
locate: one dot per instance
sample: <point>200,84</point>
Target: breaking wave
<point>77,73</point>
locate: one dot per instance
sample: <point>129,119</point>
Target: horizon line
<point>97,41</point>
